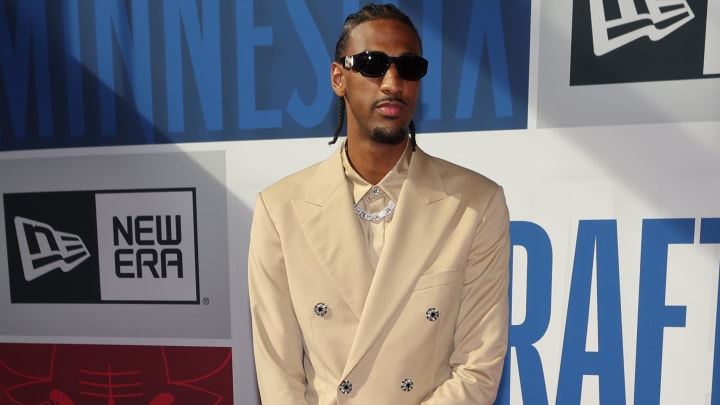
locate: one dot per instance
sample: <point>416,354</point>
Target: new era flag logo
<point>627,41</point>
<point>44,249</point>
<point>615,24</point>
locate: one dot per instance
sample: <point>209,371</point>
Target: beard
<point>389,136</point>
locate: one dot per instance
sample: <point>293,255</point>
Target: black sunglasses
<point>375,64</point>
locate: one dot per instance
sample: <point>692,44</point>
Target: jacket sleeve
<point>481,331</point>
<point>277,339</point>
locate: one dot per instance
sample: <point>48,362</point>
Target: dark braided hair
<point>370,12</point>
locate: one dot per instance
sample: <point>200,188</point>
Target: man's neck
<point>373,160</point>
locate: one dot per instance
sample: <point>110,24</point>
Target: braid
<point>413,143</point>
<point>341,120</point>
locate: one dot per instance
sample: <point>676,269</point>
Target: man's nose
<point>392,83</point>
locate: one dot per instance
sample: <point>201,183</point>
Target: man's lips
<point>390,107</point>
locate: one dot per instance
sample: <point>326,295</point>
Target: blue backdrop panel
<point>111,72</point>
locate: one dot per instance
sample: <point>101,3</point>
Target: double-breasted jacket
<point>427,326</point>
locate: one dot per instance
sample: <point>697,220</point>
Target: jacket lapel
<point>330,225</point>
<point>420,223</point>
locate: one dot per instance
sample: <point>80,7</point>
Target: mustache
<point>389,99</point>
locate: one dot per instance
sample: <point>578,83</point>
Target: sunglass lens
<point>411,67</point>
<point>373,64</point>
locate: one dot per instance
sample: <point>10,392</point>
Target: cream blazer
<point>428,326</point>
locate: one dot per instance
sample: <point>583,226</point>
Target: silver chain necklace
<point>375,216</point>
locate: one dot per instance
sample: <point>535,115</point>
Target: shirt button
<point>375,190</point>
<point>432,314</point>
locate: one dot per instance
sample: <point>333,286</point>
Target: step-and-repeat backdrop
<point>136,134</point>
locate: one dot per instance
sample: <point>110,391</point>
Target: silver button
<point>321,309</point>
<point>345,387</point>
<point>432,314</point>
<point>406,384</point>
<point>375,190</point>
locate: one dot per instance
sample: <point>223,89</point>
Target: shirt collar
<point>390,184</point>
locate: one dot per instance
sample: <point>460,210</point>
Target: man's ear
<point>337,79</point>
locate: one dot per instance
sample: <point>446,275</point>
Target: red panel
<point>44,374</point>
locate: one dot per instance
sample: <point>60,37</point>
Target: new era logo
<point>44,249</point>
<point>102,246</point>
<point>617,23</point>
<point>625,41</point>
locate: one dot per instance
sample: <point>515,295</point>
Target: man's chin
<point>390,136</point>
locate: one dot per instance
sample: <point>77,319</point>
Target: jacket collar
<point>334,234</point>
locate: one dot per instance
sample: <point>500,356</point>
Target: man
<point>380,275</point>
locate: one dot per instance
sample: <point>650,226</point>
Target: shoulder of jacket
<point>461,178</point>
<point>290,185</point>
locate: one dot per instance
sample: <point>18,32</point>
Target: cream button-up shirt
<point>374,198</point>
